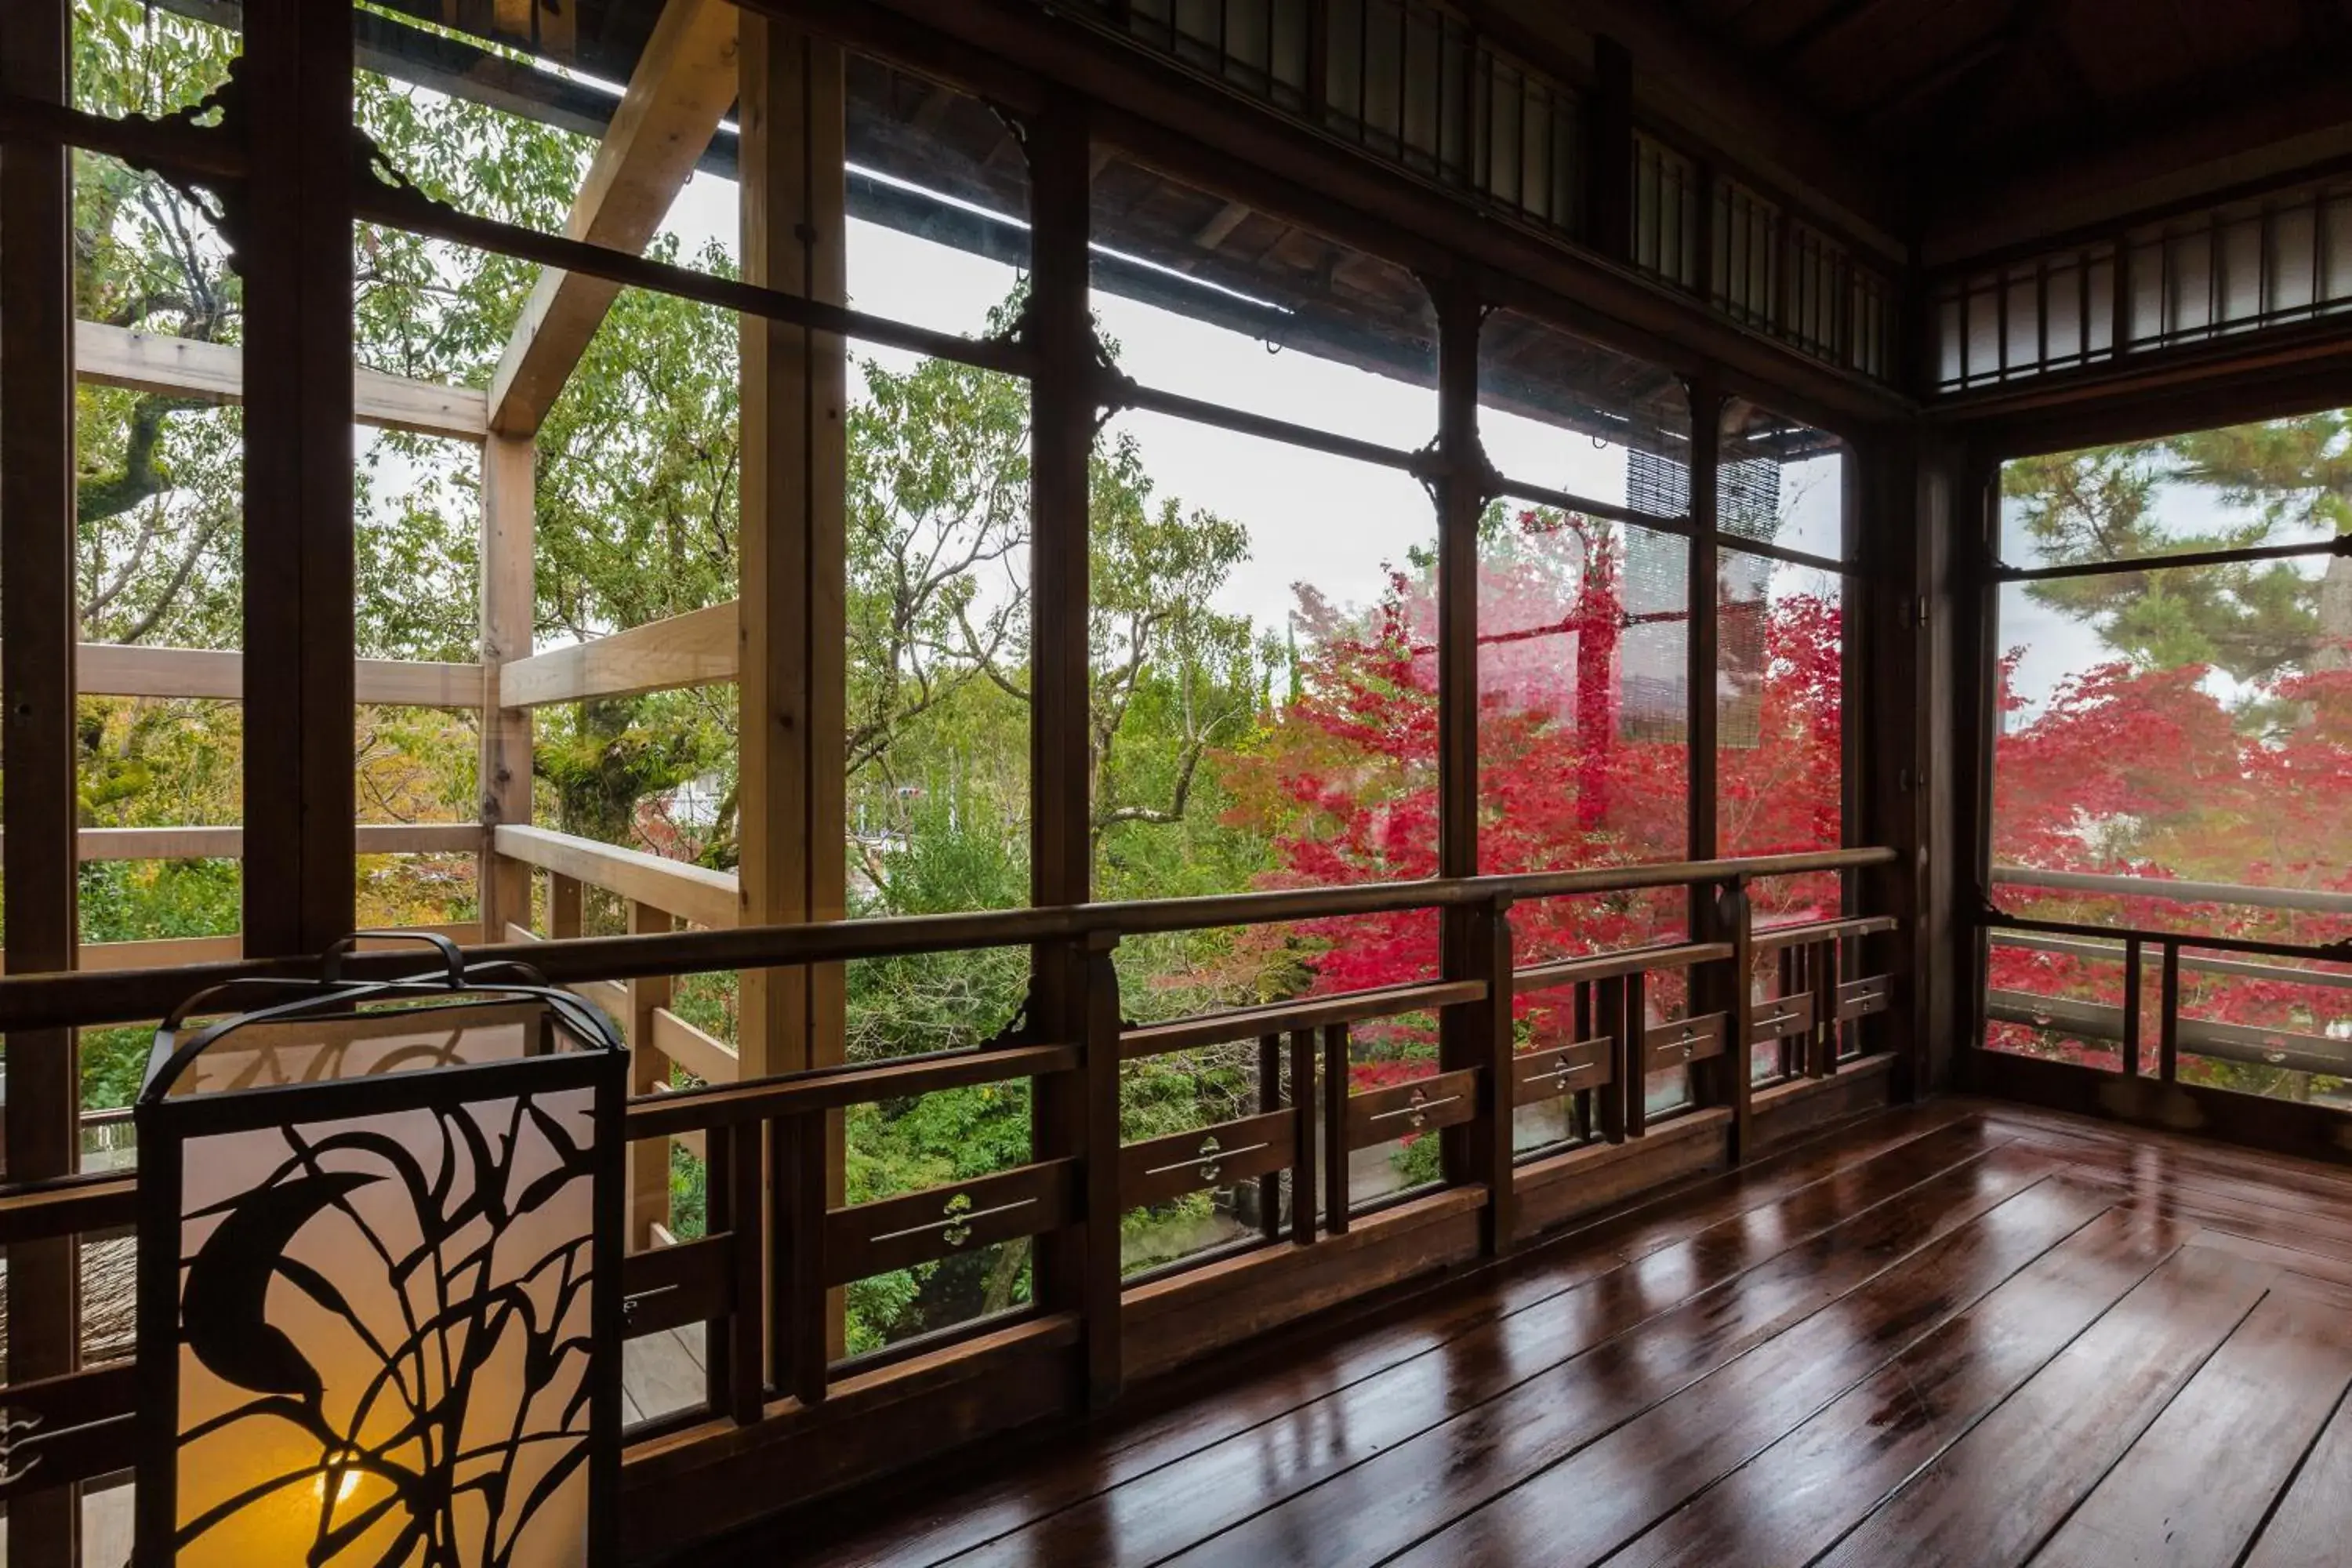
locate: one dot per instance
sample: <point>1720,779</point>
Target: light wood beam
<point>509,595</point>
<point>695,894</point>
<point>795,455</point>
<point>228,843</point>
<point>184,367</point>
<point>696,649</point>
<point>119,669</point>
<point>684,82</point>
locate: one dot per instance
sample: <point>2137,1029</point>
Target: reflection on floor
<point>1962,1334</point>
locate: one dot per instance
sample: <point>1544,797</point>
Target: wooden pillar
<point>1468,937</point>
<point>795,455</point>
<point>790,688</point>
<point>1069,1115</point>
<point>37,687</point>
<point>1704,713</point>
<point>509,609</point>
<point>300,585</point>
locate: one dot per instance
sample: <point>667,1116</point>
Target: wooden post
<point>1335,1128</point>
<point>1739,1048</point>
<point>562,906</point>
<point>509,608</point>
<point>2133,986</point>
<point>649,1158</point>
<point>790,686</point>
<point>1465,1036</point>
<point>1269,1098</point>
<point>1704,713</point>
<point>1068,1119</point>
<point>299,579</point>
<point>1302,1126</point>
<point>795,454</point>
<point>1098,1293</point>
<point>37,618</point>
<point>1490,1134</point>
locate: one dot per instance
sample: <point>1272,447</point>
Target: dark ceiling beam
<point>1828,25</point>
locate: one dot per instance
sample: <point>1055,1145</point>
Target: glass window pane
<point>2185,724</point>
<point>1214,299</point>
<point>1781,483</point>
<point>2250,485</point>
<point>1583,702</point>
<point>1780,681</point>
<point>1561,412</point>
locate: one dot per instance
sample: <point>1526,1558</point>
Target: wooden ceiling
<point>1960,96</point>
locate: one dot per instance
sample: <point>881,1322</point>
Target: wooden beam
<point>707,1057</point>
<point>214,373</point>
<point>697,648</point>
<point>228,843</point>
<point>301,549</point>
<point>1220,229</point>
<point>685,79</point>
<point>117,670</point>
<point>696,894</point>
<point>37,622</point>
<point>510,605</point>
<point>111,957</point>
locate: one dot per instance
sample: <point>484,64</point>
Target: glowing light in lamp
<point>391,1333</point>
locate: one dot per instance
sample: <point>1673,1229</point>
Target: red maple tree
<point>1572,774</point>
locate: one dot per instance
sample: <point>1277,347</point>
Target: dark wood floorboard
<point>937,1523</point>
<point>1962,1334</point>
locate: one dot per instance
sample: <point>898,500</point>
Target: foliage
<point>2228,696</point>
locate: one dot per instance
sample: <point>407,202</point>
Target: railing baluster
<point>1625,1010</point>
<point>1828,972</point>
<point>2168,1046</point>
<point>1302,1122</point>
<point>732,1345</point>
<point>1738,1051</point>
<point>796,1256</point>
<point>1491,1136</point>
<point>1335,1129</point>
<point>1098,1295</point>
<point>2133,986</point>
<point>1269,1097</point>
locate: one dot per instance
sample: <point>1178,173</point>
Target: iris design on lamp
<point>392,1333</point>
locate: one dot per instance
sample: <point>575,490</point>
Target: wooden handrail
<point>2310,900</point>
<point>694,894</point>
<point>58,1001</point>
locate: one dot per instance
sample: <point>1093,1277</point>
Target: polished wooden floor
<point>1961,1334</point>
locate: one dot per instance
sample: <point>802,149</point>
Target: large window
<point>2173,753</point>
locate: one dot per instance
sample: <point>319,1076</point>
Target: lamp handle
<point>330,962</point>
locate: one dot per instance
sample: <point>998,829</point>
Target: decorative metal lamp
<point>379,1284</point>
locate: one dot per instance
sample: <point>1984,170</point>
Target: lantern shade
<point>391,1332</point>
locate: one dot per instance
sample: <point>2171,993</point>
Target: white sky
<point>1333,521</point>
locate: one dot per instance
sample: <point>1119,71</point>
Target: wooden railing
<point>775,1243</point>
<point>2146,1082</point>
